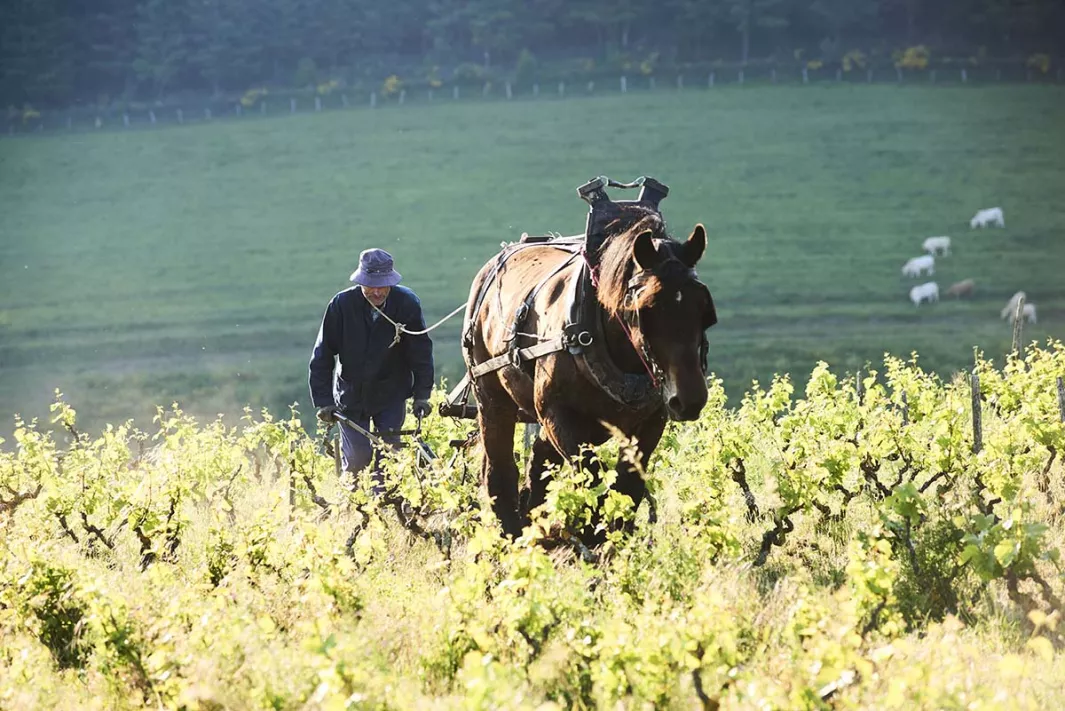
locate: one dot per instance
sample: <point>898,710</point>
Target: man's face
<point>376,295</point>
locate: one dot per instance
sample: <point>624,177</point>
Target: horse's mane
<point>616,264</point>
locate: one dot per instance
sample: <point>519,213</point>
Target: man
<point>376,375</point>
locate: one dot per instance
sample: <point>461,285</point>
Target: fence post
<point>180,116</point>
<point>1061,397</point>
<point>805,76</point>
<point>1018,327</point>
<point>292,105</point>
<point>710,81</point>
<point>510,91</point>
<point>373,99</point>
<point>317,103</point>
<point>455,92</point>
<point>905,409</point>
<point>624,87</point>
<point>562,88</point>
<point>978,431</point>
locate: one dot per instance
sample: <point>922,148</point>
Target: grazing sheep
<point>917,265</point>
<point>961,288</point>
<point>990,216</point>
<point>934,245</point>
<point>1011,306</point>
<point>924,292</point>
<point>1027,313</point>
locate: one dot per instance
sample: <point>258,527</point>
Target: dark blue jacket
<point>372,375</point>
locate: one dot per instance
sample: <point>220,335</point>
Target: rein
<point>642,351</point>
<point>401,328</point>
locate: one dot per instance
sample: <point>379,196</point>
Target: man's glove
<point>421,408</point>
<point>328,413</point>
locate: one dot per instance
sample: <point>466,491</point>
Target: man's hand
<point>328,413</point>
<point>421,408</point>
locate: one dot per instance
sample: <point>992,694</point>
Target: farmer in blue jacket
<point>377,374</point>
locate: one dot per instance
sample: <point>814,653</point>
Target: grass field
<point>194,263</point>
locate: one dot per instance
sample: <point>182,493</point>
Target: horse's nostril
<point>674,403</point>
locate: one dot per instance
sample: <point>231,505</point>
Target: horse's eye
<point>679,297</point>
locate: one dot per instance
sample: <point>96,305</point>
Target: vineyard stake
<point>1061,397</point>
<point>1018,326</point>
<point>978,432</point>
<point>905,410</point>
<point>336,453</point>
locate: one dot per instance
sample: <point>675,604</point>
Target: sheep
<point>933,245</point>
<point>917,265</point>
<point>961,288</point>
<point>928,291</point>
<point>990,216</point>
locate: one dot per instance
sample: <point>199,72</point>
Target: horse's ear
<point>644,252</point>
<point>693,249</point>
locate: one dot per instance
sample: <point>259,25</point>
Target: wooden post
<point>1061,397</point>
<point>180,116</point>
<point>859,386</point>
<point>317,103</point>
<point>1018,327</point>
<point>905,410</point>
<point>336,454</point>
<point>292,105</point>
<point>805,76</point>
<point>978,431</point>
<point>624,85</point>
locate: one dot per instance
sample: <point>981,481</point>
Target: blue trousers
<point>357,453</point>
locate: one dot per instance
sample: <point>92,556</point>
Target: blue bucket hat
<point>375,269</point>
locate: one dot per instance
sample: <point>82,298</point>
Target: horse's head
<point>666,308</point>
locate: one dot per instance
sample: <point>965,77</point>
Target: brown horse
<point>641,367</point>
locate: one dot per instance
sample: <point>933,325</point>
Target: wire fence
<point>264,104</point>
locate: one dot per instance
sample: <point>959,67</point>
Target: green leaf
<point>1006,552</point>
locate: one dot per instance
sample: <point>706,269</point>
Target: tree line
<point>61,52</point>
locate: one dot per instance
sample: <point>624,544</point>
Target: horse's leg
<point>499,472</point>
<point>543,453</point>
<point>630,482</point>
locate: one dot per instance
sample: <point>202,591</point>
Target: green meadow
<point>193,263</point>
